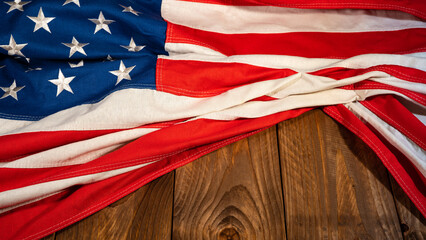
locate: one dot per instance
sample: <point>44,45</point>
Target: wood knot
<point>404,227</point>
<point>229,234</point>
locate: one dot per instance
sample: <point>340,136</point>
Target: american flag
<point>97,98</point>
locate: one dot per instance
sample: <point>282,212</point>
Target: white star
<point>132,46</point>
<point>77,2</point>
<point>13,48</point>
<point>11,91</point>
<point>75,46</point>
<point>101,23</point>
<point>130,10</point>
<point>17,4</point>
<point>74,65</point>
<point>41,21</point>
<point>122,72</point>
<point>62,82</point>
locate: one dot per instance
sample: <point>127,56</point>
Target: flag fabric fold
<point>98,98</point>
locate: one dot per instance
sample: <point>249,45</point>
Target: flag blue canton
<point>59,54</point>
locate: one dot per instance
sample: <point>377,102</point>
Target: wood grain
<point>413,224</point>
<point>334,185</point>
<point>144,214</point>
<point>232,193</point>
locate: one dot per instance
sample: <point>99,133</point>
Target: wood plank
<point>232,193</point>
<point>413,224</point>
<point>144,214</point>
<point>334,185</point>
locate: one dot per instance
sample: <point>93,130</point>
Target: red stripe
<point>417,8</point>
<point>206,79</point>
<point>157,145</point>
<point>365,85</point>
<point>401,169</point>
<point>304,44</point>
<point>390,110</point>
<point>264,99</point>
<point>404,73</point>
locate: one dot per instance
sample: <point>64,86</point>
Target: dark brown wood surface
<point>233,193</point>
<point>334,186</point>
<point>306,178</point>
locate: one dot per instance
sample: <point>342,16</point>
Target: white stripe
<point>267,19</point>
<point>418,110</point>
<point>396,82</point>
<point>2,210</point>
<point>366,93</point>
<point>20,195</point>
<point>421,117</point>
<point>136,107</point>
<point>301,64</point>
<point>255,109</point>
<point>78,152</point>
<point>417,54</point>
<point>183,48</point>
<point>311,83</point>
<point>411,150</point>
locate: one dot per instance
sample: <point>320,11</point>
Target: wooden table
<point>305,178</point>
